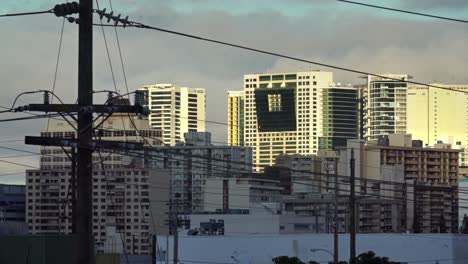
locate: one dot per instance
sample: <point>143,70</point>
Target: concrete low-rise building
<point>223,194</point>
<point>430,174</point>
<point>192,163</point>
<point>12,203</point>
<point>12,210</point>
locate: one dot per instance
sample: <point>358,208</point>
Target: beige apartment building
<point>125,211</point>
<point>236,100</point>
<point>430,176</point>
<point>436,114</point>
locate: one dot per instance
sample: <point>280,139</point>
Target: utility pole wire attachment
<point>28,13</point>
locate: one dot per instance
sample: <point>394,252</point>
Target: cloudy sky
<point>321,30</point>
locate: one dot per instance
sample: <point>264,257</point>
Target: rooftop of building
<point>169,85</point>
<point>431,149</point>
<point>405,142</point>
<point>289,72</point>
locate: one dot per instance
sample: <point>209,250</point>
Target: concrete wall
<point>238,224</point>
<point>422,249</point>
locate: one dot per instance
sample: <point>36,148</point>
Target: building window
<point>274,102</point>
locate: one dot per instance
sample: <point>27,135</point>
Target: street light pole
<point>313,250</point>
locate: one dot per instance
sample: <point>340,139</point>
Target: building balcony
<point>412,168</point>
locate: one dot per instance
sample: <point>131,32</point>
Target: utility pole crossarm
<point>95,144</point>
<point>73,108</point>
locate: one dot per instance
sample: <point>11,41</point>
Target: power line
<point>11,174</point>
<point>29,118</point>
<point>251,164</point>
<point>18,164</point>
<point>27,13</point>
<point>57,63</point>
<point>404,11</point>
<point>126,23</point>
<point>271,53</point>
<point>120,53</point>
<point>139,155</point>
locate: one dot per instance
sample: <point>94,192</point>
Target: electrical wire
<point>275,54</point>
<point>111,68</point>
<point>18,164</point>
<point>29,118</point>
<point>271,53</point>
<point>57,63</point>
<point>299,171</point>
<point>28,13</point>
<point>404,11</point>
<point>120,53</point>
<point>223,171</point>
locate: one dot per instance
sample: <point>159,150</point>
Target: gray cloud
<point>427,50</point>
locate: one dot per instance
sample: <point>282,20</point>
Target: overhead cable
<point>404,11</point>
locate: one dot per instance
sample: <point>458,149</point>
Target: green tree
<point>370,258</point>
<point>287,260</point>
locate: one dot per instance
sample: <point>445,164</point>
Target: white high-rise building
<point>386,105</point>
<point>176,110</point>
<point>296,113</point>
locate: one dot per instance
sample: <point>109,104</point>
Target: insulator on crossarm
<point>101,13</point>
<point>117,20</point>
<point>46,97</point>
<point>124,21</point>
<point>73,20</point>
<point>109,16</point>
<point>61,10</point>
<point>109,98</point>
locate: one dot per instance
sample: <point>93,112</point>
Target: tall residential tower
<point>386,105</point>
<point>296,113</point>
<point>236,118</point>
<point>176,110</point>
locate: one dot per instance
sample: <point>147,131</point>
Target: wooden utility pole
<point>352,209</point>
<point>84,206</point>
<point>73,187</point>
<point>335,220</point>
<point>175,222</point>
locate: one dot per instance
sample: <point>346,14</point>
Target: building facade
<point>430,176</point>
<point>374,214</point>
<point>290,112</point>
<point>193,163</point>
<point>236,100</point>
<point>435,114</point>
<point>340,120</point>
<point>431,114</point>
<point>126,209</point>
<point>386,105</point>
<point>12,203</point>
<point>123,200</point>
<point>224,194</point>
<point>175,110</point>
